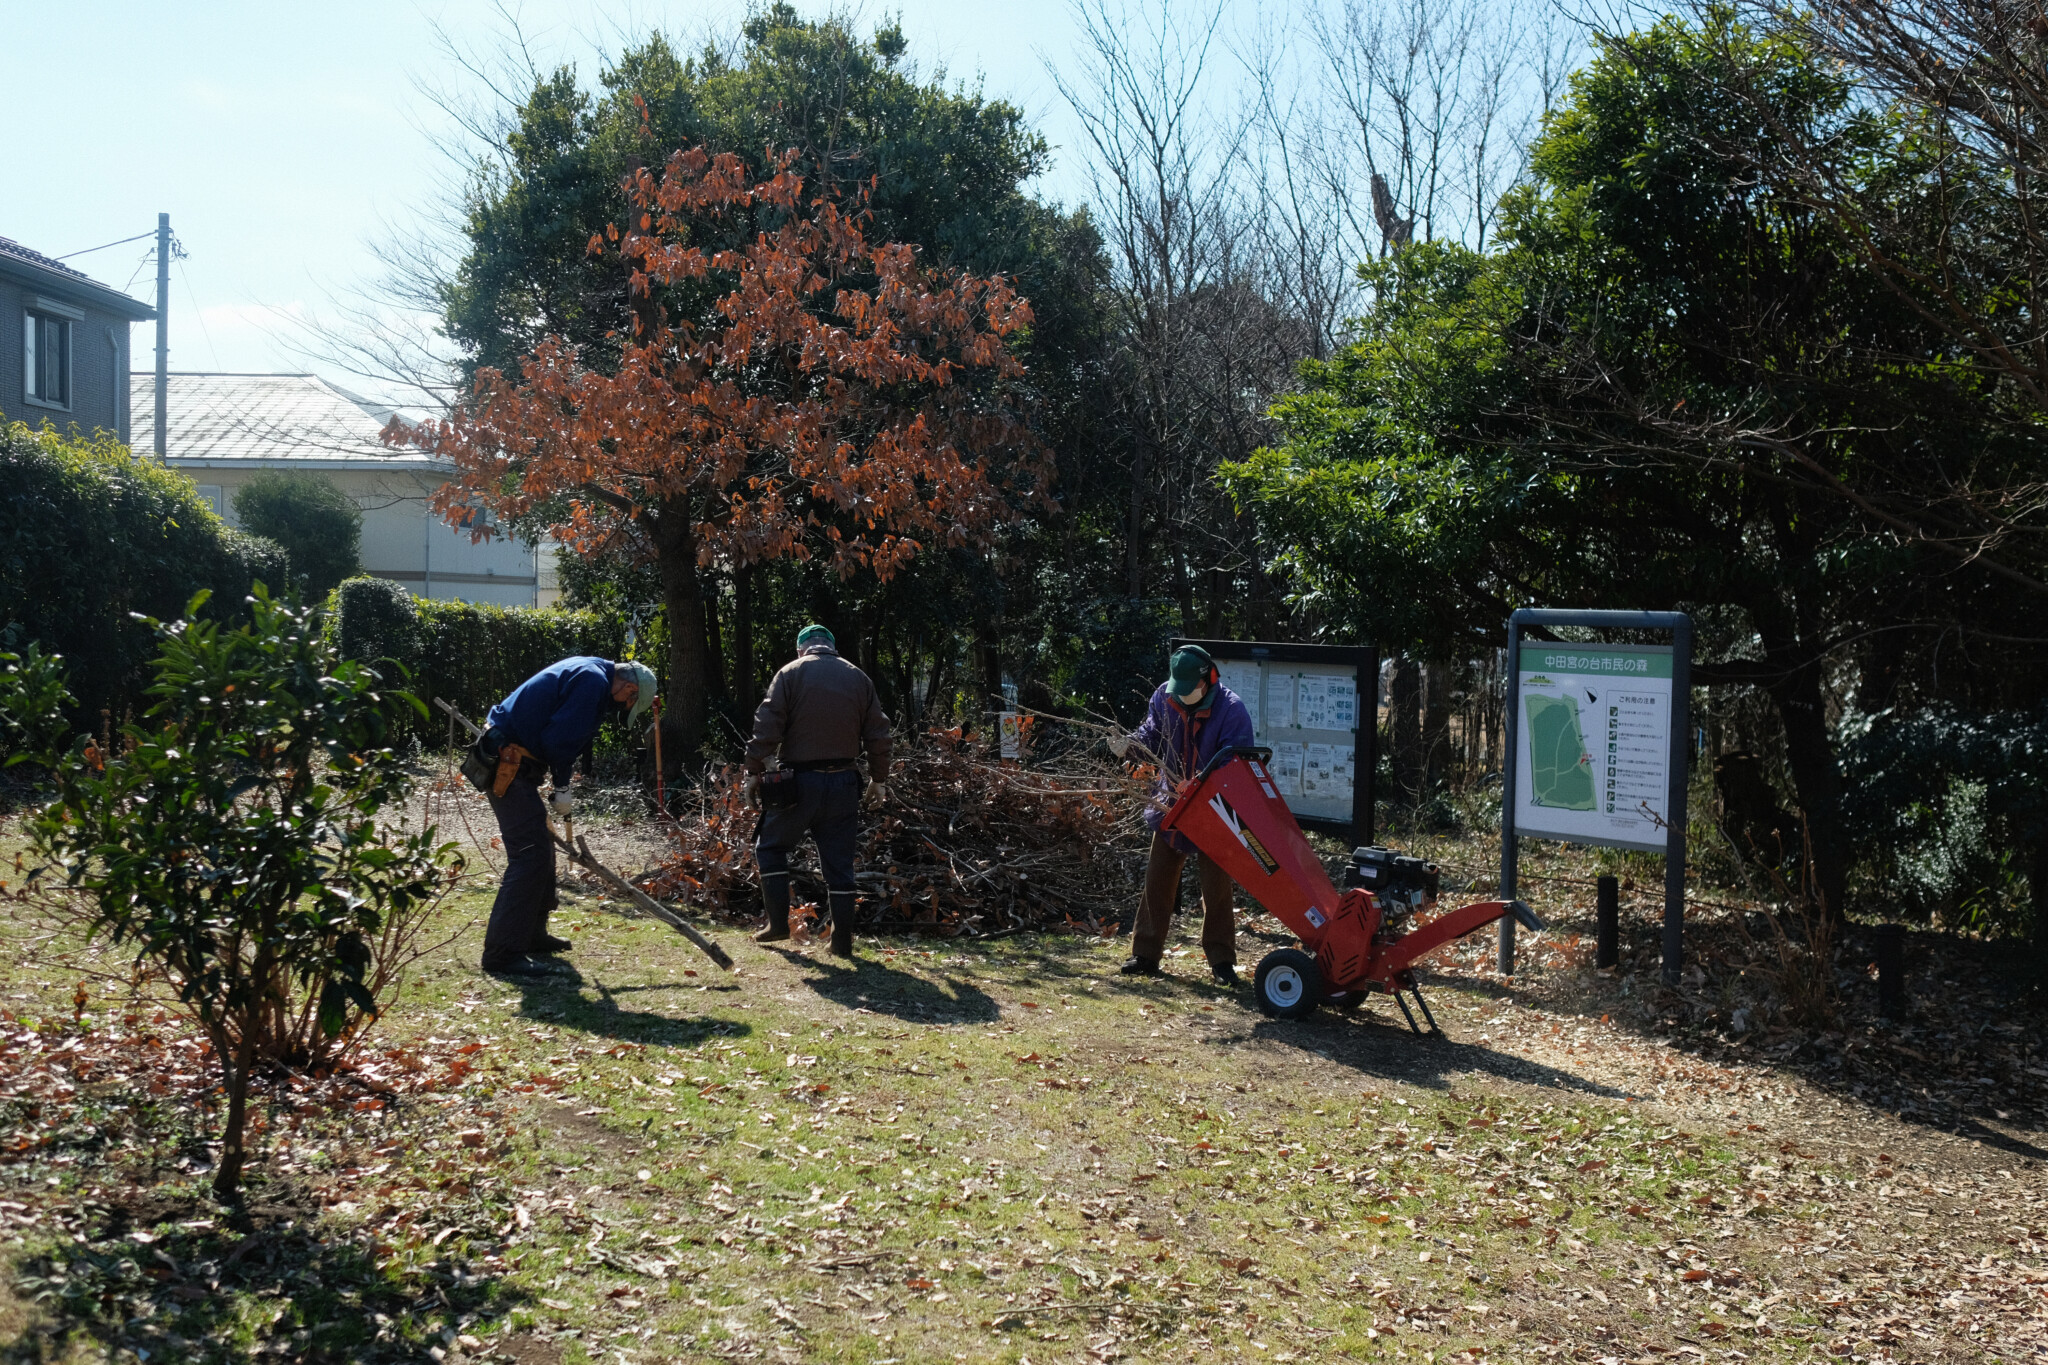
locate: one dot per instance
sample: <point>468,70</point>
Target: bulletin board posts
<point>1363,662</point>
<point>1673,818</point>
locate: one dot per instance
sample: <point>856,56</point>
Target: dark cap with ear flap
<point>1190,667</point>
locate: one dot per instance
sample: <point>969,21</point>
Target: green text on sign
<point>1613,661</point>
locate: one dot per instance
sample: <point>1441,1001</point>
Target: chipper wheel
<point>1288,984</point>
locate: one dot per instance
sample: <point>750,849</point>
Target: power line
<point>103,246</point>
<point>193,299</point>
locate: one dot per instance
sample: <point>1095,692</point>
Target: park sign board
<point>1594,760</point>
<point>1596,750</point>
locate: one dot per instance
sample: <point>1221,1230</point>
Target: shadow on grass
<point>559,999</point>
<point>1382,1045</point>
<point>1373,1039</point>
<point>868,983</point>
<point>1958,1060</point>
<point>182,1279</point>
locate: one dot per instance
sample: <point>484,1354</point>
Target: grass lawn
<point>989,1152</point>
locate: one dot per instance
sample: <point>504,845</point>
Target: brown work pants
<point>1161,898</point>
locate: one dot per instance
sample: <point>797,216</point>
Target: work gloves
<point>878,792</point>
<point>562,803</point>
<point>1119,745</point>
<point>752,789</point>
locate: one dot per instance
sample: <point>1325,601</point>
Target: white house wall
<point>403,541</point>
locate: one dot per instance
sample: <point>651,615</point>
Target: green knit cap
<point>814,634</point>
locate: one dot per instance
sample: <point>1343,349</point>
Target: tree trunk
<point>675,542</point>
<point>745,688</point>
<point>227,1180</point>
<point>714,643</point>
<point>2037,885</point>
<point>1436,725</point>
<point>988,669</point>
<point>1815,778</point>
<point>1404,720</point>
<point>1134,544</point>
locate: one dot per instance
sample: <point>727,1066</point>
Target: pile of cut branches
<point>967,844</point>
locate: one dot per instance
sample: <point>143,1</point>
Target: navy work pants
<point>519,917</point>
<point>827,807</point>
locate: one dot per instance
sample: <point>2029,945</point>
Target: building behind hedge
<point>226,427</point>
<point>64,345</point>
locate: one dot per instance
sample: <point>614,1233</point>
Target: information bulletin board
<point>1317,708</point>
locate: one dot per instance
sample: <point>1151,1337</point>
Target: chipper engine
<point>1351,944</point>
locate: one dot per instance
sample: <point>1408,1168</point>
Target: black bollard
<point>1891,969</point>
<point>1609,939</point>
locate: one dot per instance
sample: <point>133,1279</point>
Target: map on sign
<point>1560,765</point>
<point>1593,749</point>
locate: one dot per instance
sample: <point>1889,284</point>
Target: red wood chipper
<point>1352,944</point>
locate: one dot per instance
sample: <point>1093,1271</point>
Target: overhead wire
<point>197,313</point>
<point>103,246</point>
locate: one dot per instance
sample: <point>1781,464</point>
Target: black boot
<point>545,942</point>
<point>775,899</point>
<point>842,923</point>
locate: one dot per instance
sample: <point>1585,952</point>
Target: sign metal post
<point>1571,804</point>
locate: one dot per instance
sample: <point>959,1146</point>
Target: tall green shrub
<point>468,654</point>
<point>320,526</point>
<point>90,534</point>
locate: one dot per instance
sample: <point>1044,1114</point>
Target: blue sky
<point>281,138</point>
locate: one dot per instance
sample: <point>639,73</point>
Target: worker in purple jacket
<point>1192,717</point>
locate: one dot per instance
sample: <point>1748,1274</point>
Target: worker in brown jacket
<point>821,711</point>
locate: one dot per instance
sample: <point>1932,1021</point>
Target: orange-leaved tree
<point>788,389</point>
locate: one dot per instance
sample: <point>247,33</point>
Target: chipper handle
<point>1223,756</point>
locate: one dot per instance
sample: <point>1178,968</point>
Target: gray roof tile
<point>269,418</point>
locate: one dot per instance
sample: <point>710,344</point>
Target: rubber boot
<point>545,942</point>
<point>775,899</point>
<point>842,923</point>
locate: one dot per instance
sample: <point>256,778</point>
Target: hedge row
<point>469,655</point>
<point>88,534</point>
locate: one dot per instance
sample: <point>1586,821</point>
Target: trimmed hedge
<point>90,533</point>
<point>468,654</point>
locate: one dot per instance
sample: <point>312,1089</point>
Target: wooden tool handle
<point>580,854</point>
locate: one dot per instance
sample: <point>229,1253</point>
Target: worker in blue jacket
<point>538,731</point>
<point>1192,717</point>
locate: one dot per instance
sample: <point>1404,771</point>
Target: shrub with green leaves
<point>320,526</point>
<point>90,534</point>
<point>233,839</point>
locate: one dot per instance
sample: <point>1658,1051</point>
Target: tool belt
<point>493,763</point>
<point>778,789</point>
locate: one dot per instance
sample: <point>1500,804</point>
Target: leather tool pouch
<point>511,760</point>
<point>778,789</point>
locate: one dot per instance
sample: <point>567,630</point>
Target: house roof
<point>50,273</point>
<point>297,420</point>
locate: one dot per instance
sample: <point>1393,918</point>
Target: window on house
<point>46,357</point>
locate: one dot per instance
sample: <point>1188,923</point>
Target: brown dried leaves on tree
<point>788,389</point>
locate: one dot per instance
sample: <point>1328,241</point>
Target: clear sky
<point>281,137</point>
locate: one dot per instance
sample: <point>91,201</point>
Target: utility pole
<point>163,332</point>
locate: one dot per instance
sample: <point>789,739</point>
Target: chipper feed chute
<point>1233,813</point>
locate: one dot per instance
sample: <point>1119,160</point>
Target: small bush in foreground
<point>232,839</point>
